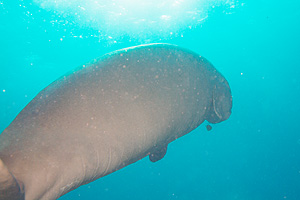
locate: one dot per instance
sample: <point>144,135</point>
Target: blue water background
<point>255,155</point>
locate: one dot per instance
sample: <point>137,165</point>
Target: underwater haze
<point>254,155</point>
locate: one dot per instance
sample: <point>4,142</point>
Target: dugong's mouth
<point>221,104</point>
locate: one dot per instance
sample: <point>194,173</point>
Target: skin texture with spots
<point>106,115</point>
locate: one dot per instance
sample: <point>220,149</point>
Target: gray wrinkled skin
<point>106,115</point>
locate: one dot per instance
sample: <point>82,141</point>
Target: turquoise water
<point>255,44</point>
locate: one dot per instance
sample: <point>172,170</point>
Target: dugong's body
<point>106,115</point>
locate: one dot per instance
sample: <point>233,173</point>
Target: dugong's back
<point>106,115</point>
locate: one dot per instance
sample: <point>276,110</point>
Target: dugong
<point>107,114</point>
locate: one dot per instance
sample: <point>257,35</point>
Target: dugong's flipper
<point>10,189</point>
<point>158,154</point>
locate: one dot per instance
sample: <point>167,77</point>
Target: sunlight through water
<point>135,18</point>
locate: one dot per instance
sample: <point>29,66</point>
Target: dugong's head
<point>221,101</point>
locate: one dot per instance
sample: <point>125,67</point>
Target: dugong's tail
<point>10,189</point>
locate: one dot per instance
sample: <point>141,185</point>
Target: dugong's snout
<point>221,103</point>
